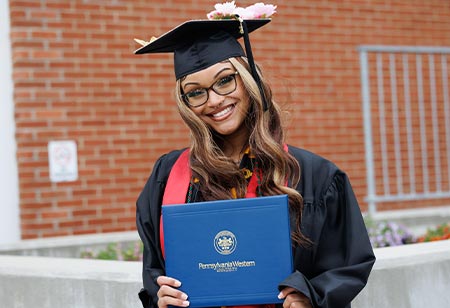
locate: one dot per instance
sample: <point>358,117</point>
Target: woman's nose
<point>214,99</point>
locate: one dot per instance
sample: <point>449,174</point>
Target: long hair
<point>217,173</point>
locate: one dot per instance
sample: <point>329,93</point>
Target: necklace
<point>248,166</point>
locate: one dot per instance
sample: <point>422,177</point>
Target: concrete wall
<point>408,276</point>
<point>68,246</point>
<point>44,282</point>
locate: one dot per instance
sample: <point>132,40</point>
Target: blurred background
<point>363,83</point>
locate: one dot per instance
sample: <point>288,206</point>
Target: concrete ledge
<point>410,276</point>
<point>57,282</point>
<point>67,246</point>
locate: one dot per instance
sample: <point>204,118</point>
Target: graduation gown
<point>331,272</point>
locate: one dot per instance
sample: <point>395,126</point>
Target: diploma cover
<point>229,252</point>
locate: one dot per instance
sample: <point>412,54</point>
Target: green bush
<point>116,251</point>
<point>439,233</point>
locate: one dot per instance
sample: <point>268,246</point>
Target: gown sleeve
<point>148,211</point>
<point>336,267</point>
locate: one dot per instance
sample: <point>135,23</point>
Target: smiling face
<point>225,114</point>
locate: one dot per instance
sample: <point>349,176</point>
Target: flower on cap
<point>261,10</point>
<point>228,10</point>
<point>223,11</point>
<point>244,13</point>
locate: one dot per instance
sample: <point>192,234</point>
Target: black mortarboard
<point>198,44</point>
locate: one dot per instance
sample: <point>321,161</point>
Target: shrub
<point>388,233</point>
<point>116,251</point>
<point>439,233</point>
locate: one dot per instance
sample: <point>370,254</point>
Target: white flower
<point>222,11</point>
<point>244,13</point>
<point>261,10</point>
<point>228,10</point>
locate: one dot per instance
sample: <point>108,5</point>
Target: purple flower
<point>118,250</point>
<point>384,234</point>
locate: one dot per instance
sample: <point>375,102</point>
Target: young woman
<point>238,150</point>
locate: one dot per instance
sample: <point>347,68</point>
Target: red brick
<point>73,223</point>
<point>50,114</point>
<point>89,230</point>
<point>55,233</point>
<point>54,214</point>
<point>70,203</point>
<point>84,212</point>
<point>37,226</point>
<point>100,221</point>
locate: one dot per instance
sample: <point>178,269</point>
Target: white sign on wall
<point>63,161</point>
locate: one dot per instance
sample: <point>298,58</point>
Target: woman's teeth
<point>223,112</point>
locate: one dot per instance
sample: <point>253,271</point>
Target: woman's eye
<point>224,81</point>
<point>195,93</point>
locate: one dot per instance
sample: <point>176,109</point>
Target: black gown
<point>331,272</point>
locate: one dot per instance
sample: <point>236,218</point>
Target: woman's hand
<point>294,299</point>
<point>168,293</point>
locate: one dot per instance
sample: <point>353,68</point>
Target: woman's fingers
<point>294,299</point>
<point>164,280</point>
<point>168,294</point>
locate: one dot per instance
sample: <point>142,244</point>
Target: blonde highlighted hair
<point>218,174</point>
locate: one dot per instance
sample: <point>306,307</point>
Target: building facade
<point>74,78</point>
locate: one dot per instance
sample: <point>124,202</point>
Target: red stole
<point>178,184</point>
<point>175,193</point>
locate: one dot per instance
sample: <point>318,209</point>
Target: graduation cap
<point>198,44</point>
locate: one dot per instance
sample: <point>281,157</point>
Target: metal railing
<point>406,106</point>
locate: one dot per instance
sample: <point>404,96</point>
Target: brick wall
<point>76,78</point>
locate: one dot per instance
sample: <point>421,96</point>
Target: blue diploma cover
<point>229,252</point>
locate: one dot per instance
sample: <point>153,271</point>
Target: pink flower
<point>222,10</point>
<point>244,13</point>
<point>261,10</point>
<point>214,15</point>
<point>228,10</point>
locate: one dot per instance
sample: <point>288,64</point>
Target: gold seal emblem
<point>225,242</point>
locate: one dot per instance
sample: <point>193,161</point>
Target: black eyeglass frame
<point>185,98</point>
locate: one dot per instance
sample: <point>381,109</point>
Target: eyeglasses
<point>223,86</point>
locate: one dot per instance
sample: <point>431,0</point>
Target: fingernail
<point>177,283</point>
<point>280,295</point>
<point>184,296</point>
<point>186,303</point>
